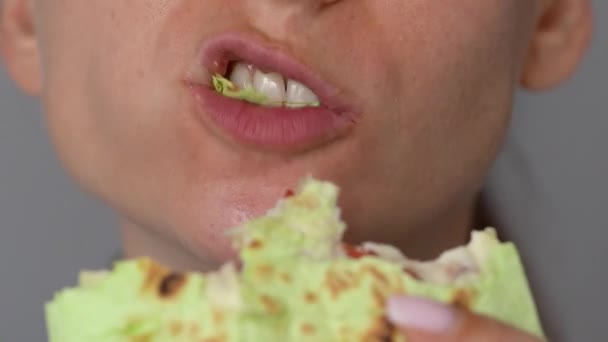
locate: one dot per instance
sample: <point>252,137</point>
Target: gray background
<point>549,184</point>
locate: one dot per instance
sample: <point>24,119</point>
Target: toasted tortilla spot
<point>350,274</point>
<point>176,328</point>
<point>310,297</point>
<point>218,317</point>
<point>344,331</point>
<point>390,333</point>
<point>307,329</point>
<point>154,273</point>
<point>286,278</point>
<point>379,276</point>
<point>379,297</point>
<point>143,338</point>
<point>464,298</point>
<point>264,270</point>
<point>256,244</point>
<point>194,329</point>
<point>171,284</point>
<point>381,331</point>
<point>270,304</point>
<point>336,284</point>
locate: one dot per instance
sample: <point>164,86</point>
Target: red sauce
<point>356,252</point>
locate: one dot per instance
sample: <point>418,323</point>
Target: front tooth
<point>242,76</point>
<point>299,95</point>
<point>271,85</point>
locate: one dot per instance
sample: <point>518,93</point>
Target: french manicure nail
<point>421,314</point>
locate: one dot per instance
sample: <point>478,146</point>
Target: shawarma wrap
<point>298,282</point>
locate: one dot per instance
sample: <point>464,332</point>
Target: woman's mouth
<point>261,97</point>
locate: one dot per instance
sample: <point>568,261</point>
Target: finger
<point>424,320</point>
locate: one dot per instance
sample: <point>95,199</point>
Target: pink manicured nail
<point>420,314</point>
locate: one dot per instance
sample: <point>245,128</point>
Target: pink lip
<point>270,128</point>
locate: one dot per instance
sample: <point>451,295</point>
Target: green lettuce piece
<point>225,87</point>
<point>296,284</point>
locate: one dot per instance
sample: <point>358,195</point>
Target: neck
<point>450,231</point>
<point>140,242</point>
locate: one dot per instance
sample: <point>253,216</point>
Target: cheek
<point>457,75</point>
<point>438,80</point>
<point>453,51</point>
<point>119,114</point>
<point>430,67</point>
<point>112,100</point>
<point>455,67</point>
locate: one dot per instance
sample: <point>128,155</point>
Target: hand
<point>426,321</point>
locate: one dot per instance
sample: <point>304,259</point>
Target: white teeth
<point>242,76</point>
<point>299,95</point>
<point>271,85</point>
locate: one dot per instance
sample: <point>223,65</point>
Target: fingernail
<point>421,314</point>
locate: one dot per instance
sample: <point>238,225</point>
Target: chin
<point>202,223</point>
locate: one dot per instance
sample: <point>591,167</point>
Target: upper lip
<point>220,50</point>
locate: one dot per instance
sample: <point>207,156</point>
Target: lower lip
<point>272,128</point>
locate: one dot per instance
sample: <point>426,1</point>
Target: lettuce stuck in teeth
<point>225,87</point>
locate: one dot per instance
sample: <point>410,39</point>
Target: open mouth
<point>249,83</point>
<point>259,95</point>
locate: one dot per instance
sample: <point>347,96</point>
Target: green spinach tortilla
<point>298,282</point>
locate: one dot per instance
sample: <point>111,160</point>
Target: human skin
<point>432,82</point>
